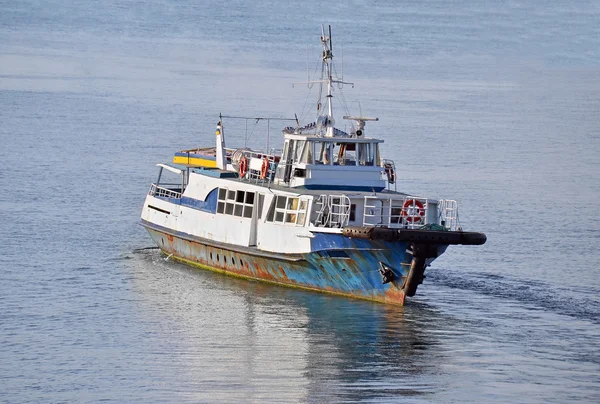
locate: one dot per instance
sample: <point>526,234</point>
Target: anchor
<point>386,273</point>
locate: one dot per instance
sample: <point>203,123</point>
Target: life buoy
<point>264,169</point>
<point>391,174</point>
<point>414,204</point>
<point>243,167</point>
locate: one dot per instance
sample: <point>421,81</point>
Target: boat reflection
<point>271,342</point>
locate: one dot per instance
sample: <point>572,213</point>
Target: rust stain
<point>395,295</point>
<point>270,271</point>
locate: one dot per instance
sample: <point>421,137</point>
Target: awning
<point>174,168</point>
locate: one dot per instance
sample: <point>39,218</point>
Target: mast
<point>220,150</point>
<point>325,122</point>
<point>328,122</point>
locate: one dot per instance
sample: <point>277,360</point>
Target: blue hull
<point>340,265</point>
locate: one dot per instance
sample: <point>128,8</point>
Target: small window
<point>222,194</point>
<point>307,153</point>
<point>300,144</point>
<point>229,209</point>
<point>271,212</point>
<point>250,198</point>
<point>248,211</point>
<point>281,202</point>
<point>238,210</point>
<point>352,212</point>
<point>220,207</point>
<point>231,195</point>
<point>292,204</point>
<point>239,196</point>
<point>290,218</point>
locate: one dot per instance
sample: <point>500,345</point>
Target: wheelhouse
<point>316,162</point>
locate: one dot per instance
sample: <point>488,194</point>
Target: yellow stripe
<point>194,161</point>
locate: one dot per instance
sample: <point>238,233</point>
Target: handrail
<point>407,213</point>
<point>161,192</point>
<point>334,211</point>
<point>448,214</point>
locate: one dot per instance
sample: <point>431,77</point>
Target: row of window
<point>235,203</point>
<point>327,152</point>
<point>288,209</point>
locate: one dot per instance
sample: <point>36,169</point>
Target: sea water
<point>494,104</point>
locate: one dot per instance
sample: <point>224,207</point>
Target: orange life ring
<point>243,166</point>
<point>412,203</point>
<point>264,169</point>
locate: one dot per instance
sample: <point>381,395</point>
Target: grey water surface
<point>494,104</point>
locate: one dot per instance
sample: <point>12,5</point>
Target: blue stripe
<point>342,188</point>
<point>209,205</point>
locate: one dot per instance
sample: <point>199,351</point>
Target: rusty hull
<point>351,270</point>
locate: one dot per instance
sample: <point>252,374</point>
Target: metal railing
<point>253,174</point>
<point>448,214</point>
<point>407,213</point>
<point>332,211</point>
<point>162,192</point>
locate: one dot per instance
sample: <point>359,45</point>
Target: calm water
<point>497,106</point>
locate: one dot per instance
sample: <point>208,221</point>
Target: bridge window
<point>367,154</point>
<point>323,152</point>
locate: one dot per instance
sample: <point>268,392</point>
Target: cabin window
<point>289,210</point>
<point>352,212</point>
<point>300,144</point>
<point>345,154</point>
<point>286,147</point>
<point>307,153</point>
<point>323,152</point>
<point>366,154</point>
<point>235,203</point>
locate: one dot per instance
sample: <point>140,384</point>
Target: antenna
<point>307,67</point>
<point>330,42</point>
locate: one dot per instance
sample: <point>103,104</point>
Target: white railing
<point>332,211</point>
<point>407,213</point>
<point>448,214</point>
<point>157,191</point>
<point>254,160</point>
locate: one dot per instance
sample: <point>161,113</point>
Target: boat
<point>322,214</point>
